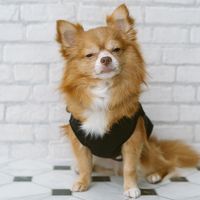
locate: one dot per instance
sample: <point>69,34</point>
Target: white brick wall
<point>32,110</point>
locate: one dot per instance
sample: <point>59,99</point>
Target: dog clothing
<point>110,144</point>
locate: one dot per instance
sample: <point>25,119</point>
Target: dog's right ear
<point>67,32</point>
<point>120,19</point>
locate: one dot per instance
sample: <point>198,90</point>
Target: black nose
<point>106,60</point>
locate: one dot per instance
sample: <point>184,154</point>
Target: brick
<point>172,15</point>
<point>183,93</point>
<point>60,150</point>
<point>33,12</point>
<point>6,74</point>
<point>46,93</point>
<point>58,113</point>
<point>31,53</point>
<point>1,112</point>
<point>93,13</point>
<point>137,13</point>
<point>31,113</point>
<point>144,34</point>
<point>161,73</point>
<point>16,133</point>
<point>195,35</point>
<point>190,113</point>
<point>197,133</point>
<point>8,13</point>
<point>29,151</point>
<point>170,35</point>
<point>129,3</point>
<point>188,74</point>
<point>47,132</point>
<point>11,32</point>
<point>32,68</point>
<point>182,2</point>
<point>56,72</point>
<point>14,93</point>
<point>198,94</point>
<point>162,113</point>
<point>187,55</point>
<point>41,32</point>
<point>31,73</point>
<point>47,12</point>
<point>174,132</point>
<point>1,53</point>
<point>33,1</point>
<point>157,94</point>
<point>4,152</point>
<point>152,54</point>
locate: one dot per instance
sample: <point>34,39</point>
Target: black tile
<point>178,179</point>
<point>145,192</point>
<point>61,167</point>
<point>61,192</point>
<point>22,179</point>
<point>100,178</point>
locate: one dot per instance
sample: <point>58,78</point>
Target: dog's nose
<point>106,60</point>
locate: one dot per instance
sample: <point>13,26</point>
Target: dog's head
<point>103,52</point>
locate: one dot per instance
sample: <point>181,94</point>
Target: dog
<point>101,83</point>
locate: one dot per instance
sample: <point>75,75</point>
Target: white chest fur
<point>96,118</point>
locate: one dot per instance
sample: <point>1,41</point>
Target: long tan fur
<point>157,158</point>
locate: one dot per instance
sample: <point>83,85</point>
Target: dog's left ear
<point>121,20</point>
<point>67,32</point>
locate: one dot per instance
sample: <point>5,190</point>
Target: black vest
<point>109,145</point>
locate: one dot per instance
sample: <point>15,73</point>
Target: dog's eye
<point>116,50</point>
<point>89,55</point>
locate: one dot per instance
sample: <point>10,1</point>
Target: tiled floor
<point>42,180</point>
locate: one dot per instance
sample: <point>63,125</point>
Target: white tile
<point>22,172</point>
<point>193,198</point>
<point>33,197</point>
<point>59,161</point>
<point>29,164</point>
<point>61,198</point>
<point>22,190</point>
<point>142,183</point>
<point>152,197</point>
<point>26,168</point>
<point>5,179</point>
<point>55,179</point>
<point>179,190</point>
<point>3,161</point>
<point>47,179</point>
<point>117,180</point>
<point>115,188</point>
<point>195,178</point>
<point>185,171</point>
<point>99,191</point>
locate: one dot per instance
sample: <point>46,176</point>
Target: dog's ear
<point>121,20</point>
<point>67,32</point>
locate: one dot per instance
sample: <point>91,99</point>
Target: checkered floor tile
<point>42,180</point>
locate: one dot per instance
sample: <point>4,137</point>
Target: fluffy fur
<point>99,99</point>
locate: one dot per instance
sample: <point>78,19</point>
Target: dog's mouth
<point>107,72</point>
<point>106,69</point>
